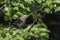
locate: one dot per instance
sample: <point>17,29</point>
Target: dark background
<point>53,23</point>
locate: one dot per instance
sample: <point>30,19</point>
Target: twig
<point>2,7</point>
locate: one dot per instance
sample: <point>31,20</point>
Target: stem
<point>9,26</point>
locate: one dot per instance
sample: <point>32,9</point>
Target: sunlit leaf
<point>43,30</point>
<point>21,5</point>
<point>19,13</point>
<point>47,10</point>
<point>39,1</point>
<point>56,1</point>
<point>15,8</point>
<point>57,9</point>
<point>14,4</point>
<point>29,1</point>
<point>28,9</point>
<point>48,2</point>
<point>15,16</point>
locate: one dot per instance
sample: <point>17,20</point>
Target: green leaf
<point>44,30</point>
<point>39,1</point>
<point>21,38</point>
<point>19,13</point>
<point>56,1</point>
<point>28,9</point>
<point>15,16</point>
<point>6,8</point>
<point>15,8</point>
<point>44,35</point>
<point>57,9</point>
<point>15,4</point>
<point>21,5</point>
<point>29,1</point>
<point>6,18</point>
<point>48,2</point>
<point>1,38</point>
<point>7,11</point>
<point>47,10</point>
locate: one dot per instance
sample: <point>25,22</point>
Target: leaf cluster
<point>13,9</point>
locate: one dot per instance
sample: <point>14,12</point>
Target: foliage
<point>13,9</point>
<point>23,34</point>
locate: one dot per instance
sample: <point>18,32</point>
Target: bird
<point>20,21</point>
